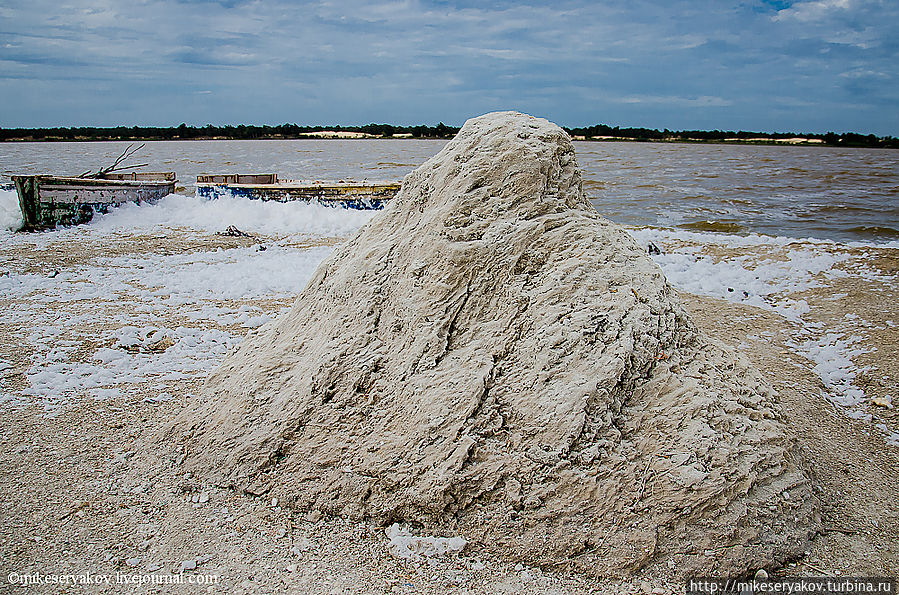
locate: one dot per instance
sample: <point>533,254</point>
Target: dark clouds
<point>765,65</point>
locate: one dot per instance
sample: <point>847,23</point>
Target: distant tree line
<point>241,132</point>
<point>846,139</point>
<point>441,130</point>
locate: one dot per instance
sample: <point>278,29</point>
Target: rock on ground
<point>491,358</point>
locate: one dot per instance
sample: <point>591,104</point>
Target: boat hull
<point>346,195</point>
<point>49,201</point>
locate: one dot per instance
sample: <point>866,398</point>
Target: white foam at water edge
<point>208,215</point>
<point>10,213</point>
<point>252,216</point>
<point>730,240</point>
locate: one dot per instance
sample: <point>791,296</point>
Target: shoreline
<point>881,237</point>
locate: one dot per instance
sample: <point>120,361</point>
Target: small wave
<point>839,208</point>
<point>715,226</point>
<point>875,231</point>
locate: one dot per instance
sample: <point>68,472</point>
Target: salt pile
<point>490,358</point>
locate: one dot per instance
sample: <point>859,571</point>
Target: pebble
<point>132,562</point>
<point>203,498</point>
<point>188,565</point>
<point>301,545</point>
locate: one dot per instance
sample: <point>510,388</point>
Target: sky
<point>759,65</point>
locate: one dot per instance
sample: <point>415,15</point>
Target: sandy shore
<point>82,490</point>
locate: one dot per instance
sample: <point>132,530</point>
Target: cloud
<point>635,62</point>
<point>704,101</point>
<point>813,11</point>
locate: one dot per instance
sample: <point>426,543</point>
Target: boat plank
<point>49,201</point>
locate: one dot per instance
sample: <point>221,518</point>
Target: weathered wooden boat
<point>350,195</point>
<point>49,201</point>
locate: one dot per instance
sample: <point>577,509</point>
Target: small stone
<point>291,568</point>
<point>885,402</point>
<point>301,545</point>
<point>532,502</point>
<point>513,491</point>
<point>153,567</point>
<point>761,575</point>
<point>132,562</point>
<point>274,502</point>
<point>188,565</point>
<point>203,498</point>
<point>646,587</point>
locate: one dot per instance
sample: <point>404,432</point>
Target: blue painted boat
<point>345,194</point>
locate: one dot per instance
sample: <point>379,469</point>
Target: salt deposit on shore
<point>490,356</point>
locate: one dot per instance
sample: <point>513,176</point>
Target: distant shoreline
<point>597,133</point>
<point>685,141</point>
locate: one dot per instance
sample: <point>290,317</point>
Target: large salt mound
<point>489,357</point>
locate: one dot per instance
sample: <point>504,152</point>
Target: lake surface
<point>821,192</point>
